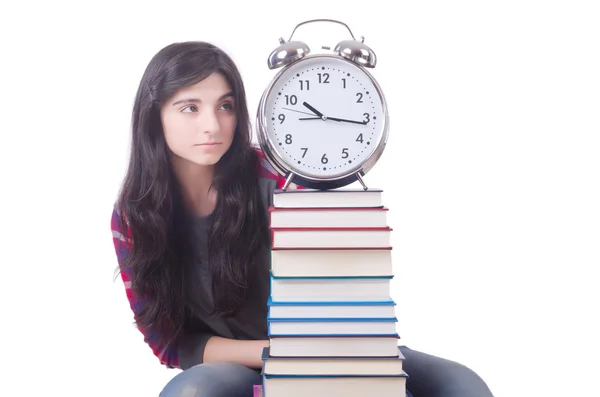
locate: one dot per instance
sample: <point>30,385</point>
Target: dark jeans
<point>428,376</point>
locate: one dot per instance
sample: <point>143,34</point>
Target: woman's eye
<point>227,106</point>
<point>190,108</point>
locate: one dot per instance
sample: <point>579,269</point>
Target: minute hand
<point>333,119</point>
<point>347,121</point>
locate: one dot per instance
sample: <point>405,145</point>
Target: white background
<point>491,174</point>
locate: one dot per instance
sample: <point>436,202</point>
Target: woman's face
<point>199,121</point>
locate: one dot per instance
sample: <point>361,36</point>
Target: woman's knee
<point>432,376</point>
<point>463,381</point>
<point>213,380</point>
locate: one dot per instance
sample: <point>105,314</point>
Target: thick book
<point>334,346</point>
<point>334,385</point>
<point>331,262</point>
<point>331,289</point>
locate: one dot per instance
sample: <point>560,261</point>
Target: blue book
<point>331,309</point>
<point>332,326</point>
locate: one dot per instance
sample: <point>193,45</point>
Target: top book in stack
<point>342,198</point>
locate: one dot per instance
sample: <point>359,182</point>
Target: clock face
<point>324,117</point>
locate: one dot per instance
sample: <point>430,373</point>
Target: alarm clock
<point>322,121</point>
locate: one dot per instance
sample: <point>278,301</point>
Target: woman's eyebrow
<point>197,100</point>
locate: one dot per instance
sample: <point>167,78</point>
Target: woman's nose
<point>209,122</point>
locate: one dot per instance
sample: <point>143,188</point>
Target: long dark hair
<point>152,205</point>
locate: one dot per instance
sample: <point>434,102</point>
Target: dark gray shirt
<point>250,323</point>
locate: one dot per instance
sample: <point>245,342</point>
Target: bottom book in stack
<point>331,320</point>
<point>329,376</point>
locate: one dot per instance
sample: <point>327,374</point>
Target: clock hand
<point>334,119</point>
<point>346,121</point>
<point>312,109</point>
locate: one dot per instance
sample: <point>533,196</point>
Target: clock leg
<point>288,181</point>
<point>362,182</point>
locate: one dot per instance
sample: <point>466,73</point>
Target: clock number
<point>281,118</point>
<point>288,139</point>
<point>291,100</point>
<point>323,78</point>
<point>302,86</point>
<point>367,118</point>
<point>305,149</point>
<point>359,95</point>
<point>324,159</point>
<point>344,82</point>
<point>360,138</point>
<point>345,153</point>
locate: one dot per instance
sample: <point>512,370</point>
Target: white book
<point>332,365</point>
<point>358,327</point>
<point>331,289</point>
<point>334,386</point>
<point>331,237</point>
<point>331,262</point>
<point>305,198</point>
<point>303,309</point>
<point>328,217</point>
<point>333,346</point>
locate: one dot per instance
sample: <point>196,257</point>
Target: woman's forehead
<point>213,88</point>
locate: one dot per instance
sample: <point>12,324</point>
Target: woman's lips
<point>208,144</point>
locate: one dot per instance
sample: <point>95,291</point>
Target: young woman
<point>191,234</point>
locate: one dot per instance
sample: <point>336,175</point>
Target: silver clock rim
<point>271,152</point>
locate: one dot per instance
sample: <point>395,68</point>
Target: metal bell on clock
<point>357,52</point>
<point>287,53</point>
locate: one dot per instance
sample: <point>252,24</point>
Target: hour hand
<point>312,109</point>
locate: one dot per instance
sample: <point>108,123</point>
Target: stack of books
<point>331,318</point>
